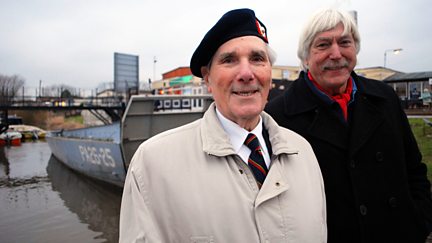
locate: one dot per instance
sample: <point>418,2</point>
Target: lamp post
<point>395,51</point>
<point>40,89</point>
<point>154,68</point>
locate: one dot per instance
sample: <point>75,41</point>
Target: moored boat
<point>10,138</point>
<point>28,131</point>
<point>104,152</point>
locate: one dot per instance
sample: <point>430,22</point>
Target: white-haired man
<point>376,185</point>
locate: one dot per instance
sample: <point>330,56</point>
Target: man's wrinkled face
<point>239,78</point>
<point>332,57</point>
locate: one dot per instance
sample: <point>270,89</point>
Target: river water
<point>41,200</point>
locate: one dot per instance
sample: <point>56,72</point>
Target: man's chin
<point>248,112</point>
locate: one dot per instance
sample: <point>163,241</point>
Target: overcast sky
<point>73,41</point>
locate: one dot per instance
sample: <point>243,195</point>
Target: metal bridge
<point>111,106</point>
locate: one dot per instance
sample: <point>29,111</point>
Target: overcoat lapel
<point>325,125</point>
<point>320,123</point>
<point>365,121</point>
<point>328,127</point>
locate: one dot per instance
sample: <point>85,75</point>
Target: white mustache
<point>335,64</point>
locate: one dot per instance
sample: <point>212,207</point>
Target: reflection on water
<point>95,204</point>
<point>4,165</point>
<point>43,201</point>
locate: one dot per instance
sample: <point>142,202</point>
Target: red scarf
<point>341,99</point>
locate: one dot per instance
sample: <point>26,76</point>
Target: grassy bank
<point>49,120</point>
<point>75,119</point>
<point>423,134</point>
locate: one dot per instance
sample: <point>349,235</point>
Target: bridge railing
<point>51,101</point>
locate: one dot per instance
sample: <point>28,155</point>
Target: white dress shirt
<point>238,135</point>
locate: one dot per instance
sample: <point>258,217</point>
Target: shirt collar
<point>236,133</point>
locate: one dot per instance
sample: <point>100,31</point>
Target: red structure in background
<point>178,72</point>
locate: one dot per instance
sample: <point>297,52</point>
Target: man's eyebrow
<point>259,52</point>
<point>231,54</point>
<point>226,55</point>
<point>323,38</point>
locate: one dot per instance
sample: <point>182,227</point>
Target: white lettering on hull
<point>97,156</point>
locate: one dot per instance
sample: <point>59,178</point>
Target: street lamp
<point>154,68</point>
<point>395,51</point>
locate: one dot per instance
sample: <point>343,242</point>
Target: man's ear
<point>306,63</point>
<point>205,72</point>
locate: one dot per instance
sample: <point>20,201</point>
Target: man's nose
<point>335,52</point>
<point>245,71</point>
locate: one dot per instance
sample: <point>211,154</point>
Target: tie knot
<point>252,142</point>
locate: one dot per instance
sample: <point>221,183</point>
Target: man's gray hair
<point>321,21</point>
<point>271,54</point>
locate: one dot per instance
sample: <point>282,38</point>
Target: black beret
<point>233,24</point>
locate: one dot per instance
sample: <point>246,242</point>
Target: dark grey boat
<point>104,152</point>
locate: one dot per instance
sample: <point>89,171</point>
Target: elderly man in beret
<point>239,177</point>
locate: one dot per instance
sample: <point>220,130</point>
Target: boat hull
<point>104,152</point>
<point>101,160</point>
<point>10,138</point>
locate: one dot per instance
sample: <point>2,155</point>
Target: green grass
<point>423,134</point>
<point>78,119</point>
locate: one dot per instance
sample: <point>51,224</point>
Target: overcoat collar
<point>217,142</point>
<point>365,118</point>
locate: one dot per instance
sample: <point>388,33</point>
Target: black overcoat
<point>375,183</point>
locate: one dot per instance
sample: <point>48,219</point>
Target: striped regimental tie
<point>256,159</point>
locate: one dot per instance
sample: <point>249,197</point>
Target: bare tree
<point>9,86</point>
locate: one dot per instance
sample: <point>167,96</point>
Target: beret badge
<point>261,29</point>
